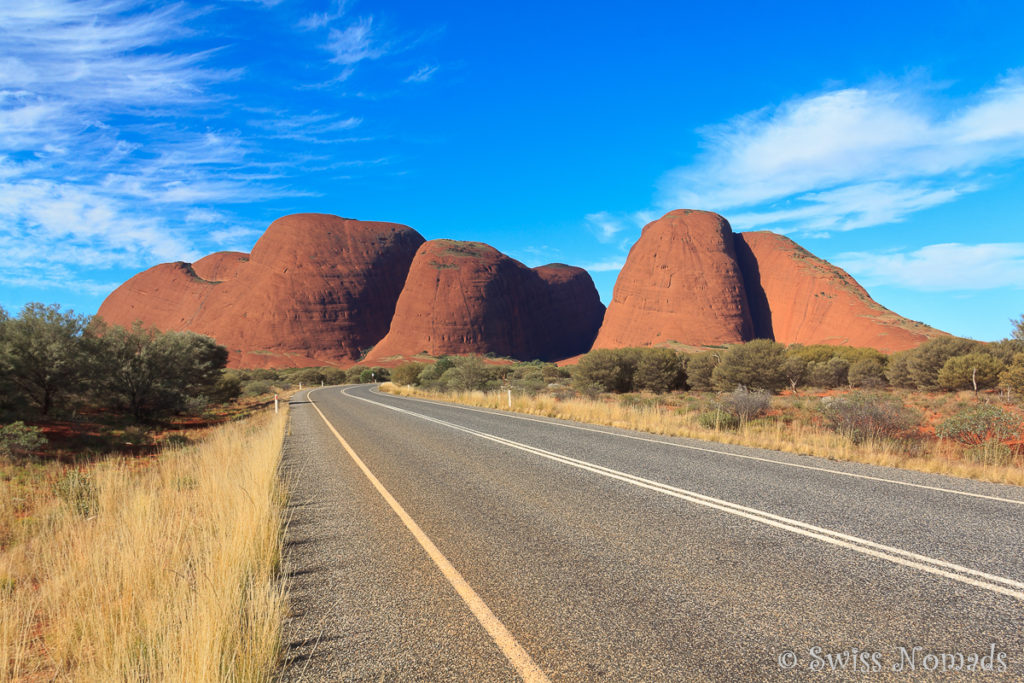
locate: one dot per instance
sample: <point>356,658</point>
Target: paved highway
<point>437,542</point>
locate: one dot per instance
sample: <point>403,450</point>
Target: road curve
<point>609,554</point>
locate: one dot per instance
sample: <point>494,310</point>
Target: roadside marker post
<point>510,399</point>
<point>275,404</point>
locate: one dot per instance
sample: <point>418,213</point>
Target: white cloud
<point>605,266</point>
<point>941,267</point>
<point>322,19</point>
<point>849,158</point>
<point>354,43</point>
<point>421,75</point>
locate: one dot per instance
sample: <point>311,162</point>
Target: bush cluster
<point>870,417</point>
<point>630,369</point>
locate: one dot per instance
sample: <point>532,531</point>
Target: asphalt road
<point>573,552</point>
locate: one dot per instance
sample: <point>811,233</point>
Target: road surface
<point>436,542</point>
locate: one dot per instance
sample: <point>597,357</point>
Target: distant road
<point>437,542</point>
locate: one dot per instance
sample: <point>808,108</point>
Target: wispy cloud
<point>850,158</point>
<point>355,43</point>
<point>941,267</point>
<point>605,266</point>
<point>421,75</point>
<point>322,19</point>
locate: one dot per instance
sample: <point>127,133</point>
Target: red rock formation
<point>680,283</point>
<point>223,265</point>
<point>797,298</point>
<point>467,297</point>
<point>316,290</point>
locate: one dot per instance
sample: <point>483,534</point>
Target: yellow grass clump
<point>159,572</point>
<point>774,433</point>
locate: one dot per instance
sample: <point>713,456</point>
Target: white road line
<point>973,577</point>
<point>502,637</point>
<point>506,413</point>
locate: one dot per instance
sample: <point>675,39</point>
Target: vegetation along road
<point>441,542</point>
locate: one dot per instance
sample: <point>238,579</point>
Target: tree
<point>151,372</point>
<point>925,362</point>
<point>43,353</point>
<point>1013,377</point>
<point>975,371</point>
<point>407,373</point>
<point>794,368</point>
<point>866,372</point>
<point>658,370</point>
<point>897,370</point>
<point>755,365</point>
<point>699,370</point>
<point>1018,328</point>
<point>610,369</point>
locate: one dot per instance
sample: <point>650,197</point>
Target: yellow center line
<point>502,637</point>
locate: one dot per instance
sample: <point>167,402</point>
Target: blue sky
<point>885,137</point>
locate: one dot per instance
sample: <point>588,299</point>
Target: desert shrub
<point>335,376</point>
<point>433,372</point>
<point>227,388</point>
<point>699,370</point>
<point>794,369</point>
<point>374,374</point>
<point>926,361</point>
<point>829,374</point>
<point>755,365</point>
<point>307,377</point>
<point>718,419</point>
<point>976,371</point>
<point>1005,349</point>
<point>354,374</point>
<point>257,388</point>
<point>979,425</point>
<point>897,370</point>
<point>1013,377</point>
<point>815,353</point>
<point>863,417</point>
<point>866,372</point>
<point>610,369</point>
<point>18,439</point>
<point>407,374</point>
<point>658,370</point>
<point>746,404</point>
<point>468,373</point>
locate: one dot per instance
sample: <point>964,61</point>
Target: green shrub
<point>18,439</point>
<point>794,369</point>
<point>756,365</point>
<point>867,372</point>
<point>610,369</point>
<point>925,362</point>
<point>334,376</point>
<point>975,371</point>
<point>718,419</point>
<point>658,370</point>
<point>699,370</point>
<point>897,370</point>
<point>835,372</point>
<point>979,425</point>
<point>407,374</point>
<point>1013,377</point>
<point>257,388</point>
<point>864,417</point>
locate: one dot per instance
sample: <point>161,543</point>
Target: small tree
<point>973,371</point>
<point>831,374</point>
<point>746,404</point>
<point>755,365</point>
<point>17,439</point>
<point>658,370</point>
<point>867,372</point>
<point>979,425</point>
<point>863,417</point>
<point>44,354</point>
<point>925,362</point>
<point>1013,377</point>
<point>152,372</point>
<point>699,370</point>
<point>609,369</point>
<point>897,370</point>
<point>794,369</point>
<point>1018,328</point>
<point>407,374</point>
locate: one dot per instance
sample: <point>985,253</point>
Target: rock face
<point>316,290</point>
<point>467,297</point>
<point>797,298</point>
<point>681,283</point>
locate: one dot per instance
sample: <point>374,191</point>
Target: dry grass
<point>166,571</point>
<point>776,432</point>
